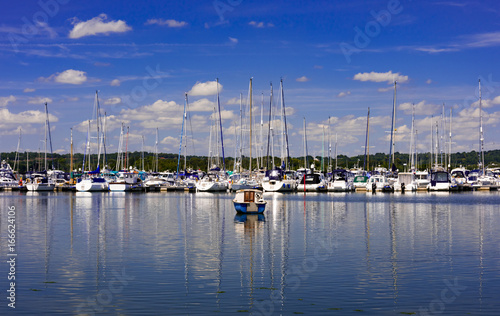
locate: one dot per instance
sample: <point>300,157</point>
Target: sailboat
<point>92,180</point>
<point>215,179</point>
<point>277,179</point>
<point>40,181</point>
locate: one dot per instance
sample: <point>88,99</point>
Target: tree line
<point>169,162</point>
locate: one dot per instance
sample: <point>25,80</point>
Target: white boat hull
<point>206,186</point>
<point>40,186</point>
<point>279,186</point>
<point>87,185</point>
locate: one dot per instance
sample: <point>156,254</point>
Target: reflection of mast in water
<point>71,223</point>
<point>221,245</point>
<point>367,235</point>
<point>48,234</point>
<point>394,251</point>
<point>481,267</point>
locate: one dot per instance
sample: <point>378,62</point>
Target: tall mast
<point>182,133</point>
<point>126,151</point>
<point>366,141</point>
<point>98,129</point>
<point>432,141</point>
<point>305,145</point>
<point>240,152</point>
<point>46,123</point>
<point>481,135</point>
<point>287,160</point>
<point>262,132</point>
<point>393,138</point>
<point>329,146</point>
<point>449,145</point>
<point>323,151</point>
<point>437,144</point>
<point>271,126</point>
<point>412,160</point>
<point>250,100</point>
<point>221,136</point>
<point>185,132</point>
<point>142,153</point>
<point>71,157</point>
<point>156,151</point>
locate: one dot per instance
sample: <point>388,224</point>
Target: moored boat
<point>249,201</point>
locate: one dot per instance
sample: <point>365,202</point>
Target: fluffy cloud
<point>487,103</point>
<point>202,105</point>
<point>302,79</point>
<point>28,90</point>
<point>6,100</point>
<point>343,94</point>
<point>115,83</point>
<point>98,25</point>
<point>388,77</point>
<point>205,88</point>
<point>233,40</point>
<point>39,100</point>
<point>169,23</point>
<point>421,108</point>
<point>26,117</point>
<point>69,76</point>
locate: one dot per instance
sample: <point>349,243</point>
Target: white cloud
<point>169,23</point>
<point>114,100</point>
<point>260,24</point>
<point>388,77</point>
<point>233,40</point>
<point>302,79</point>
<point>205,88</point>
<point>115,83</point>
<point>39,100</point>
<point>71,76</point>
<point>6,100</point>
<point>202,105</point>
<point>429,81</point>
<point>421,108</point>
<point>98,25</point>
<point>236,101</point>
<point>487,103</point>
<point>318,67</point>
<point>26,117</point>
<point>28,90</point>
<point>343,94</point>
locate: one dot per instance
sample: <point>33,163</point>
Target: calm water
<point>189,254</point>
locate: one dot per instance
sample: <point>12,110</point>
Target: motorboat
<point>249,201</point>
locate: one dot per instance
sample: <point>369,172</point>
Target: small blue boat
<point>249,201</point>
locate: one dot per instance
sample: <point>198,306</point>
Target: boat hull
<point>250,207</point>
<point>279,186</point>
<point>40,186</point>
<point>90,186</point>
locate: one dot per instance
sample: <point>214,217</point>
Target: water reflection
<point>191,254</point>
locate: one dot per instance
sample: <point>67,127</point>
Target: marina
<point>178,254</point>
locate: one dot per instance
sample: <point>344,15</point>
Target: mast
<point>182,133</point>
<point>262,132</point>
<point>481,135</point>
<point>449,145</point>
<point>269,129</point>
<point>366,141</point>
<point>17,151</point>
<point>250,99</point>
<point>437,145</point>
<point>241,135</point>
<point>98,130</point>
<point>329,146</point>
<point>393,138</point>
<point>412,160</point>
<point>221,136</point>
<point>185,132</point>
<point>46,123</point>
<point>305,146</point>
<point>71,157</point>
<point>323,151</point>
<point>432,141</point>
<point>126,151</point>
<point>287,149</point>
<point>142,153</point>
<point>156,151</point>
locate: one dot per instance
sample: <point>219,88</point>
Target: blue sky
<point>336,58</point>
